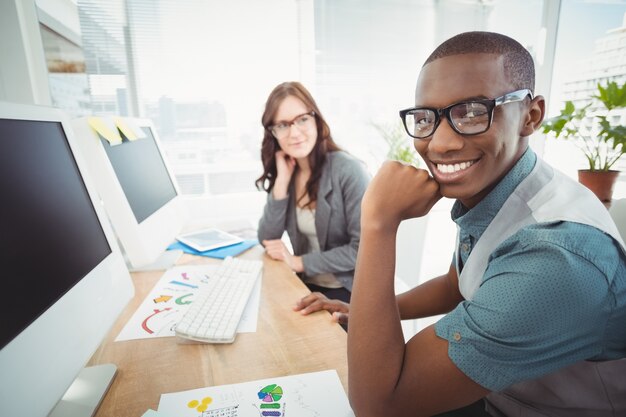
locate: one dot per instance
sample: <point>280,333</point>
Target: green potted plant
<point>596,131</point>
<point>400,145</point>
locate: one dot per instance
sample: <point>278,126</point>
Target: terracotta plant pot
<point>600,182</point>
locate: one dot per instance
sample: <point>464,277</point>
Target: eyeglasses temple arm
<point>514,96</point>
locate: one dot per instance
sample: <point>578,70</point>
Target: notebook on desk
<point>208,239</point>
<point>219,253</point>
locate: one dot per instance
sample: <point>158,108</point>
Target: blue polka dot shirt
<point>553,294</point>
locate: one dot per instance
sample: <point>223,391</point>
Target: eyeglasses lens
<point>421,122</point>
<point>470,118</point>
<point>302,122</point>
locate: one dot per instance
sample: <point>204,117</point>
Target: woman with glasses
<point>314,193</point>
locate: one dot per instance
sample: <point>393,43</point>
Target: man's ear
<point>534,116</point>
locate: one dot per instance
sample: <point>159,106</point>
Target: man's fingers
<point>341,307</point>
<point>313,307</point>
<point>307,300</point>
<point>341,318</point>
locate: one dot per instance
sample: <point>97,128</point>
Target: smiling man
<point>535,298</point>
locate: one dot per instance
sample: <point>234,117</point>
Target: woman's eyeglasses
<point>303,122</point>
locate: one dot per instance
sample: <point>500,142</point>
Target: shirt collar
<point>475,220</point>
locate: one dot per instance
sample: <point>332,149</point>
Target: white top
<point>305,219</point>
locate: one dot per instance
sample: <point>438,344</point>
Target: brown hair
<point>270,146</point>
<point>518,64</point>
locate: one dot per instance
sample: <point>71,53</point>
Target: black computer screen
<point>50,235</point>
<point>142,174</point>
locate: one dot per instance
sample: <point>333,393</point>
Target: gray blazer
<point>337,219</point>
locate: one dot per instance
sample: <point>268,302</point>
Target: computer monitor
<point>139,192</point>
<point>64,279</point>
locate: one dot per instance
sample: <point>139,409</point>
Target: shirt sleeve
<point>272,223</point>
<point>540,307</point>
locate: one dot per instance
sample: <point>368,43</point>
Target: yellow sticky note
<point>105,130</point>
<point>132,125</point>
<point>125,128</point>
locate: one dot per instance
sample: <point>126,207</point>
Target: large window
<point>590,49</point>
<point>369,54</point>
<point>203,69</point>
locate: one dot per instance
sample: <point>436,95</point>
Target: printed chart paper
<point>171,296</point>
<point>317,394</point>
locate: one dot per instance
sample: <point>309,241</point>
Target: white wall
<point>61,16</point>
<point>23,72</point>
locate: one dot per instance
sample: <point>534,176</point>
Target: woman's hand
<point>277,250</point>
<point>317,301</point>
<point>285,166</point>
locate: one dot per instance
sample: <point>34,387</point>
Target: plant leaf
<point>612,96</point>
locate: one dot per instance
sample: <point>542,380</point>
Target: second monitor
<point>138,190</point>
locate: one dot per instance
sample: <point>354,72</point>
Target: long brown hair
<point>270,146</point>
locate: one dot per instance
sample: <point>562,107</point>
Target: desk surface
<point>285,343</point>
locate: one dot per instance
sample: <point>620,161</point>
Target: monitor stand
<point>84,396</point>
<point>165,261</point>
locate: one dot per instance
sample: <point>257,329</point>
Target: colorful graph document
<point>171,296</point>
<point>317,394</point>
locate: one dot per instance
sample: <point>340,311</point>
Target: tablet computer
<point>207,239</point>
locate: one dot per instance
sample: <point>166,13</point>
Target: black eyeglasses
<point>466,118</point>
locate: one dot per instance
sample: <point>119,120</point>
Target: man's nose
<point>445,138</point>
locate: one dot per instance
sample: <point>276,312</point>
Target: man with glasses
<point>535,298</point>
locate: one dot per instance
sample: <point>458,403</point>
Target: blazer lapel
<point>292,222</point>
<point>323,209</point>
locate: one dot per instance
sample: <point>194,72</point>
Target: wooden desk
<point>285,343</point>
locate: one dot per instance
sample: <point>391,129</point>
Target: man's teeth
<point>450,168</point>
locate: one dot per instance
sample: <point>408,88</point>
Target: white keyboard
<point>216,310</point>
